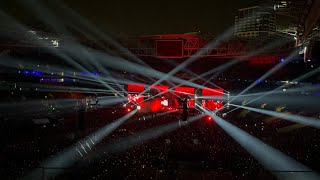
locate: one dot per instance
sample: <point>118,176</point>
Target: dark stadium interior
<point>93,90</point>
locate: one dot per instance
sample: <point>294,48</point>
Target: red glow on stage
<point>155,105</point>
<point>209,118</point>
<point>128,110</point>
<point>184,90</point>
<point>135,87</point>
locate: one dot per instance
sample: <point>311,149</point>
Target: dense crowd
<point>197,150</point>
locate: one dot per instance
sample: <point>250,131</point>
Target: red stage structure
<point>175,46</point>
<point>169,99</point>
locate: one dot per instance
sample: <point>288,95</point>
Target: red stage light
<point>209,118</point>
<point>128,110</point>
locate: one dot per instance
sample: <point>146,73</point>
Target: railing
<point>178,171</point>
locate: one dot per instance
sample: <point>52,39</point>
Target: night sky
<point>143,17</point>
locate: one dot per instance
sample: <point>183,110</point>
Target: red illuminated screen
<point>212,104</point>
<point>135,87</point>
<point>191,103</point>
<point>187,91</point>
<point>184,90</point>
<point>212,92</point>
